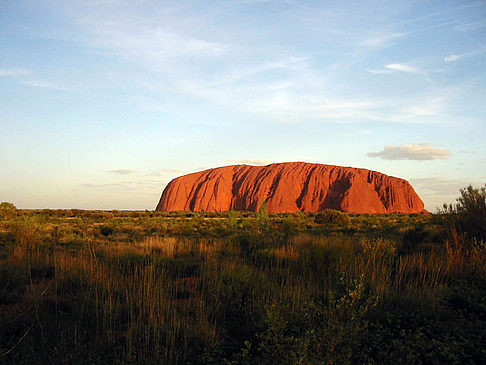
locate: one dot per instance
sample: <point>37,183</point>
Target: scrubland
<point>94,287</point>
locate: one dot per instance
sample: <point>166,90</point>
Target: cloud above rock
<point>121,172</point>
<point>252,162</point>
<point>412,151</point>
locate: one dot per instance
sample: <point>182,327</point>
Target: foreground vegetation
<point>91,287</point>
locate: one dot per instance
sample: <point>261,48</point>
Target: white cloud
<point>467,27</point>
<point>412,151</point>
<point>12,72</point>
<point>268,82</point>
<point>152,46</point>
<point>294,64</point>
<point>161,172</point>
<point>139,187</point>
<point>252,162</point>
<point>380,39</point>
<point>452,58</point>
<point>121,172</point>
<point>290,101</point>
<point>393,67</point>
<point>403,68</point>
<point>430,107</point>
<point>379,72</point>
<point>50,85</point>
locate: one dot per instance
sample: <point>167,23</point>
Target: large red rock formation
<point>290,187</point>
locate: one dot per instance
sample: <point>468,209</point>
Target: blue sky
<point>102,103</point>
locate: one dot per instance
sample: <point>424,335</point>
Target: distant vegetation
<point>98,287</point>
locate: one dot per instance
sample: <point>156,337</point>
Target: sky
<point>102,103</point>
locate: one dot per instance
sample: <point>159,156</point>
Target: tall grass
<point>71,294</point>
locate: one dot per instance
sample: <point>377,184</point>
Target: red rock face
<point>290,187</point>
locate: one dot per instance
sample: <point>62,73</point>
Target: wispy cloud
<point>154,173</point>
<point>379,39</point>
<point>282,86</point>
<point>292,63</point>
<point>452,58</point>
<point>291,102</point>
<point>50,85</point>
<point>121,172</point>
<point>162,172</point>
<point>468,27</point>
<point>379,72</point>
<point>153,46</point>
<point>13,72</point>
<point>412,151</point>
<point>252,162</point>
<point>139,187</point>
<point>403,68</point>
<point>397,67</point>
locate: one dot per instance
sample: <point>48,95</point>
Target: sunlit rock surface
<point>290,187</point>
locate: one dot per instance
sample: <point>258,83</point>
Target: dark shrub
<point>331,216</point>
<point>178,268</point>
<point>42,272</point>
<point>106,231</point>
<point>412,239</point>
<point>130,261</point>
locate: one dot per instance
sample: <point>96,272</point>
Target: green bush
<point>331,216</point>
<point>468,215</point>
<point>7,209</point>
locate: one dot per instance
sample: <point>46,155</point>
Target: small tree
<point>232,219</point>
<point>262,218</point>
<point>468,216</point>
<point>7,209</point>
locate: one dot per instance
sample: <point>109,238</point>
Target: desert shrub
<point>106,231</point>
<point>282,340</point>
<point>412,238</point>
<point>41,271</point>
<point>289,227</point>
<point>130,261</point>
<point>331,216</point>
<point>177,268</point>
<point>232,220</point>
<point>13,280</point>
<point>238,302</point>
<point>318,331</point>
<point>262,219</point>
<point>468,215</point>
<point>249,243</point>
<point>7,210</point>
<point>379,248</point>
<point>316,259</point>
<point>26,233</point>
